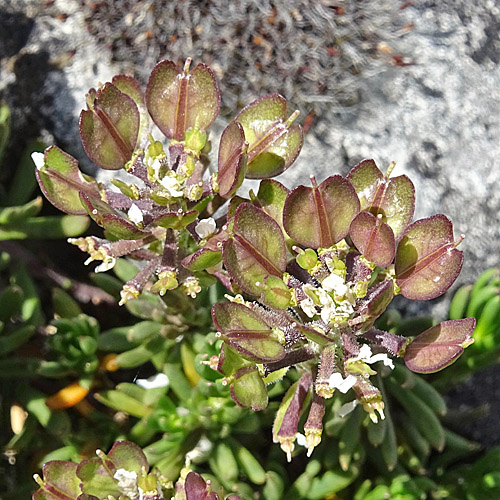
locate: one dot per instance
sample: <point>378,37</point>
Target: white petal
<point>301,439</point>
<point>347,408</point>
<point>135,214</point>
<point>153,382</point>
<point>365,352</point>
<point>106,265</point>
<point>205,227</point>
<point>336,381</point>
<point>333,282</point>
<point>38,160</point>
<point>384,358</point>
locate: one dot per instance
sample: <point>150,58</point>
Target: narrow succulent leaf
<point>110,128</point>
<point>52,226</point>
<point>373,238</point>
<point>60,481</point>
<point>179,101</point>
<point>273,143</point>
<point>256,250</point>
<point>320,216</point>
<point>439,346</point>
<point>232,160</point>
<point>61,181</point>
<point>248,389</point>
<point>427,262</point>
<point>110,219</point>
<point>393,198</point>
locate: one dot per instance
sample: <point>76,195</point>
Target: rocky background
<point>414,82</point>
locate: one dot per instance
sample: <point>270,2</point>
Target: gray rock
<point>436,117</point>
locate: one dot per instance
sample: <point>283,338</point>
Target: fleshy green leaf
<point>256,250</point>
<point>373,238</point>
<point>179,101</point>
<point>427,262</point>
<point>61,181</point>
<point>439,346</point>
<point>320,216</point>
<point>248,389</point>
<point>111,220</point>
<point>60,481</point>
<point>110,127</point>
<point>274,143</point>
<point>232,160</point>
<point>393,198</point>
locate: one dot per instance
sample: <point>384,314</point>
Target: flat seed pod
<point>110,127</point>
<point>439,346</point>
<point>61,181</point>
<point>320,216</point>
<point>427,262</point>
<point>179,101</point>
<point>273,143</point>
<point>256,250</point>
<point>232,160</point>
<point>393,198</point>
<point>373,238</point>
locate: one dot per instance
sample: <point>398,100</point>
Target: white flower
<point>347,408</point>
<point>134,214</point>
<point>127,482</point>
<point>366,355</point>
<point>107,264</point>
<point>171,184</point>
<point>38,160</point>
<point>336,381</point>
<point>153,382</point>
<point>334,283</point>
<point>205,228</point>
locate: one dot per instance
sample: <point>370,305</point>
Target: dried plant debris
<point>315,51</point>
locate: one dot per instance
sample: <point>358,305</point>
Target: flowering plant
<point>309,270</point>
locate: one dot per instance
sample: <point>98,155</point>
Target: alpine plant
<point>309,270</point>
